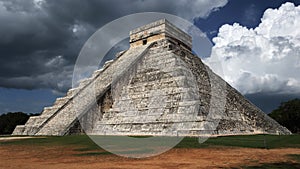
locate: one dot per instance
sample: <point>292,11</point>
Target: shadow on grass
<point>100,153</point>
<point>295,157</point>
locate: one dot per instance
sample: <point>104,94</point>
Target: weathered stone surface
<point>157,87</point>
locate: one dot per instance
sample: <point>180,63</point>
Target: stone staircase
<point>56,119</point>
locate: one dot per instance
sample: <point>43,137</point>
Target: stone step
<point>172,71</point>
<point>38,120</point>
<point>176,128</point>
<point>19,130</point>
<point>165,82</point>
<point>33,124</point>
<point>49,111</point>
<point>157,50</point>
<point>61,101</point>
<point>97,72</point>
<point>30,130</point>
<point>156,62</point>
<point>158,56</point>
<point>119,54</point>
<point>85,82</point>
<point>175,118</point>
<point>72,92</point>
<point>145,104</point>
<point>188,103</point>
<point>31,121</point>
<point>107,63</point>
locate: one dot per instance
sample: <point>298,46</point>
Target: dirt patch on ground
<point>16,156</point>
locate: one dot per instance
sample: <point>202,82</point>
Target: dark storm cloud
<point>40,40</point>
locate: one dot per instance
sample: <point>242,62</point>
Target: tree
<point>9,121</point>
<point>288,115</point>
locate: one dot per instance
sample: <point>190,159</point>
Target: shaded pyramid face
<point>156,87</point>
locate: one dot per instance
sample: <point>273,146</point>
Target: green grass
<point>84,145</point>
<point>259,141</point>
<point>82,142</point>
<point>251,141</point>
<point>191,142</point>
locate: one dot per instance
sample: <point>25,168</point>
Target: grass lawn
<point>250,141</point>
<point>86,146</point>
<point>72,141</point>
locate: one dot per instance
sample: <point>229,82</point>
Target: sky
<point>257,42</point>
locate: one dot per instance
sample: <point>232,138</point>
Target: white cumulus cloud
<point>263,59</point>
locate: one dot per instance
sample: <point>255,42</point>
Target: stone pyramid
<point>156,87</point>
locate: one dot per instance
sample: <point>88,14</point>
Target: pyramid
<point>157,87</point>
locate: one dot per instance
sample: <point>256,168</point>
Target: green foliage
<point>288,115</point>
<point>9,121</point>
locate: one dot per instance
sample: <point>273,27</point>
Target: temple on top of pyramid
<point>158,30</point>
<point>157,87</point>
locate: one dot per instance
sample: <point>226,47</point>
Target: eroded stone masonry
<point>156,87</point>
